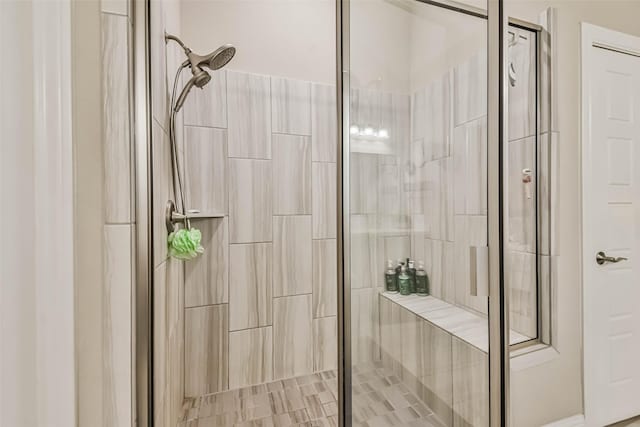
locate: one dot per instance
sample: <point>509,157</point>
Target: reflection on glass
<point>418,198</point>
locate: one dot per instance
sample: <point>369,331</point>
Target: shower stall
<point>342,137</point>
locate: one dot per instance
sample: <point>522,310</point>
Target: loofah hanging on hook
<point>184,243</point>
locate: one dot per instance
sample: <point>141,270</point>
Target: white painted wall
<point>17,275</point>
<point>296,38</point>
<point>380,46</point>
<point>37,369</point>
<point>289,38</point>
<point>440,39</point>
<point>553,390</point>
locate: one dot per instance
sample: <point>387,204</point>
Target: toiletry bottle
<point>411,271</point>
<point>391,278</point>
<point>399,266</point>
<point>404,282</point>
<point>422,280</point>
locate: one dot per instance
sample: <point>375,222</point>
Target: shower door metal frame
<point>497,113</point>
<point>496,120</point>
<point>142,406</point>
<point>343,100</point>
<point>497,135</point>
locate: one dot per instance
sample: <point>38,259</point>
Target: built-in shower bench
<point>440,352</point>
<point>460,323</point>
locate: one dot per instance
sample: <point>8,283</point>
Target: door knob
<point>601,258</point>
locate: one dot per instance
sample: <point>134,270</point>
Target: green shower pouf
<point>185,243</point>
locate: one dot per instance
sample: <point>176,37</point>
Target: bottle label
<point>391,283</point>
<point>405,286</point>
<point>422,285</point>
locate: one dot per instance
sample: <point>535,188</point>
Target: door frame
<point>592,36</point>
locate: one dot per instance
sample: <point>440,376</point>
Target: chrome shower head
<point>214,61</point>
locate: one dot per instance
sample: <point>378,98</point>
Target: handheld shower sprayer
<point>214,61</point>
<point>199,78</point>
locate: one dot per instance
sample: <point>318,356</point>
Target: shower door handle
<point>479,271</point>
<point>601,258</point>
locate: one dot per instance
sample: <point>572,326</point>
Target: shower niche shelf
<point>173,217</point>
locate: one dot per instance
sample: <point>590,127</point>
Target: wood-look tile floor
<point>379,400</point>
<point>633,422</point>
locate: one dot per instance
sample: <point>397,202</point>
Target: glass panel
<point>524,191</point>
<point>418,214</point>
<point>246,332</point>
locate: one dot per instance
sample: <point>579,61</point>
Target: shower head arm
<point>168,37</point>
<point>214,60</point>
<point>193,60</point>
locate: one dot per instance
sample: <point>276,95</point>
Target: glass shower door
<point>416,215</point>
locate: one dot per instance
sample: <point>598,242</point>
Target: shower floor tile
<point>633,422</point>
<point>379,400</point>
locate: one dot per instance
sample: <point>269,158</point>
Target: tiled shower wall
<point>448,181</point>
<point>260,303</point>
<point>379,209</point>
<point>119,221</point>
<point>448,195</point>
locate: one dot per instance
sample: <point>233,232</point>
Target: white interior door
<point>611,224</point>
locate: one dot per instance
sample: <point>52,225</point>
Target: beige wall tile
<point>291,106</point>
<point>249,115</point>
<point>250,286</point>
<point>208,106</point>
<point>250,201</point>
<point>470,89</point>
<point>117,129</point>
<point>292,255</point>
<point>207,277</point>
<point>324,200</point>
<point>470,385</point>
<point>204,170</point>
<point>363,251</point>
<point>206,350</point>
<point>292,336</point>
<point>251,357</point>
<point>291,175</point>
<point>436,371</point>
<point>363,183</point>
<point>325,340</point>
<point>325,278</point>
<point>324,128</point>
<point>117,323</point>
